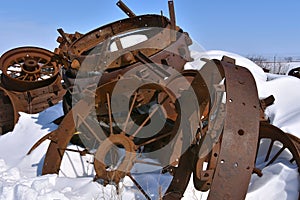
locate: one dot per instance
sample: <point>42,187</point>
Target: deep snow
<point>20,175</point>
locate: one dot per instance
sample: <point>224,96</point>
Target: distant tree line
<point>277,66</point>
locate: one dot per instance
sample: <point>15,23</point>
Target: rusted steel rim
<point>97,36</point>
<point>289,142</point>
<point>240,135</point>
<point>155,27</point>
<point>114,176</point>
<point>9,108</point>
<point>28,68</point>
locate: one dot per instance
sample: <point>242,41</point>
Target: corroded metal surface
<point>30,82</point>
<point>240,134</point>
<point>212,120</point>
<point>28,68</point>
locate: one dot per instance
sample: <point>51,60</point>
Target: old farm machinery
<point>30,82</point>
<point>128,98</point>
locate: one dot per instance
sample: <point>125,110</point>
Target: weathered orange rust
<point>30,82</point>
<point>214,127</point>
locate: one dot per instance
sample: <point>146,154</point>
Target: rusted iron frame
<point>177,193</point>
<point>232,177</point>
<point>210,143</point>
<point>166,57</point>
<point>202,82</point>
<point>192,149</point>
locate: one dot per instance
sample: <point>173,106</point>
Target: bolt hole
<point>244,103</point>
<point>206,175</point>
<point>241,132</point>
<point>215,155</point>
<point>254,107</point>
<point>248,168</point>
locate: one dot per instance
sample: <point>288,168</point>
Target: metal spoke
<point>148,118</point>
<point>139,187</point>
<point>88,127</point>
<point>82,153</point>
<point>269,151</point>
<point>155,139</point>
<point>109,113</point>
<point>129,113</point>
<point>276,156</point>
<point>147,163</point>
<point>13,71</point>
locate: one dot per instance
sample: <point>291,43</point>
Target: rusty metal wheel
<point>8,111</point>
<point>27,68</point>
<point>118,147</point>
<point>276,146</point>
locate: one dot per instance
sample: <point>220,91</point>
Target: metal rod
<point>125,9</point>
<point>172,20</point>
<point>129,112</point>
<point>109,114</point>
<point>152,65</point>
<point>139,187</point>
<point>64,36</point>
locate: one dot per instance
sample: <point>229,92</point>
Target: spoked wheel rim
<point>277,148</point>
<point>278,143</point>
<point>27,68</point>
<point>111,137</point>
<point>128,138</point>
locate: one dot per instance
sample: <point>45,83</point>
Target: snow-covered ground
<point>20,174</point>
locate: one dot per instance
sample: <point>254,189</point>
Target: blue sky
<point>256,27</point>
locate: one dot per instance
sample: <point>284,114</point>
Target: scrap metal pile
<point>126,90</point>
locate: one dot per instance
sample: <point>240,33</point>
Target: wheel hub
<point>31,66</point>
<point>120,165</point>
